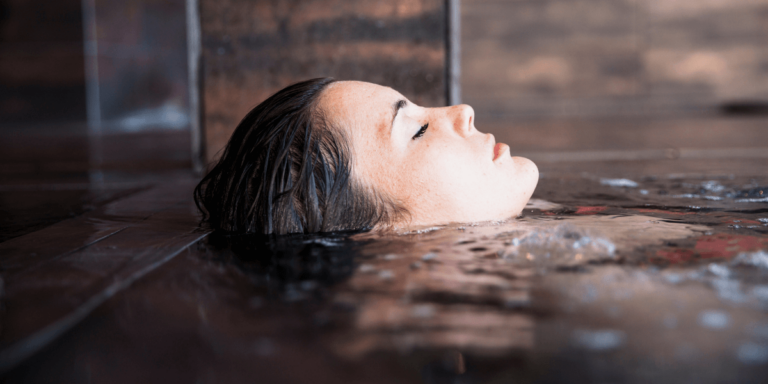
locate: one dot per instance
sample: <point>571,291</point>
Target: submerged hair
<point>287,170</point>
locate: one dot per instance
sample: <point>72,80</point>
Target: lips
<point>499,149</point>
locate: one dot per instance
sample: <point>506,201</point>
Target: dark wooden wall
<point>44,77</point>
<point>253,48</point>
<point>41,62</point>
<point>612,57</point>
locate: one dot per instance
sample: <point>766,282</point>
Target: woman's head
<point>323,156</point>
<point>287,169</point>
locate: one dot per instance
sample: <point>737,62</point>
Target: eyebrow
<point>396,107</point>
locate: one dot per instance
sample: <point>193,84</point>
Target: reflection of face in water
<point>432,160</point>
<point>290,267</point>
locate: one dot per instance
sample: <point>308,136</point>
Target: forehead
<point>357,103</point>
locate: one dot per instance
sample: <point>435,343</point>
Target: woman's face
<point>433,161</point>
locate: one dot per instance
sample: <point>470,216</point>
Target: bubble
<point>719,270</point>
<point>756,259</point>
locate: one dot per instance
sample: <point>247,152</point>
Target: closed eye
<point>421,131</point>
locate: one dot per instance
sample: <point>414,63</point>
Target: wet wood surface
<point>55,277</point>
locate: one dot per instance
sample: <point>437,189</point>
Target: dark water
<point>645,279</point>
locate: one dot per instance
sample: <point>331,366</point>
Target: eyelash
<point>421,131</point>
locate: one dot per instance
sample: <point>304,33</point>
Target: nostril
<point>469,114</point>
<point>463,118</point>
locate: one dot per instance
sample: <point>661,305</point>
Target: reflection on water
<point>564,283</point>
<point>293,267</point>
<point>606,280</point>
<point>469,287</point>
<point>596,282</point>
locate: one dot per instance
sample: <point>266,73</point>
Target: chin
<point>522,185</point>
<point>527,174</point>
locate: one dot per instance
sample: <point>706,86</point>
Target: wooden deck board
<point>71,235</point>
<point>55,277</point>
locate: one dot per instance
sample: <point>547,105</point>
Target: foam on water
<point>619,183</point>
<point>753,200</point>
<point>719,270</point>
<point>542,205</point>
<point>728,283</point>
<point>697,196</point>
<point>712,186</point>
<point>756,259</point>
<point>563,244</point>
<point>729,290</point>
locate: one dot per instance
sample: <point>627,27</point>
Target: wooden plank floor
<point>55,277</point>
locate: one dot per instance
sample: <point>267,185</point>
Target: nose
<point>463,117</point>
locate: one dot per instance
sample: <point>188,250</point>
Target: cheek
<point>444,173</point>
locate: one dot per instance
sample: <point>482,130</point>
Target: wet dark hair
<point>286,169</point>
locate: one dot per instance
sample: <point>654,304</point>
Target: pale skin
<point>433,161</point>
